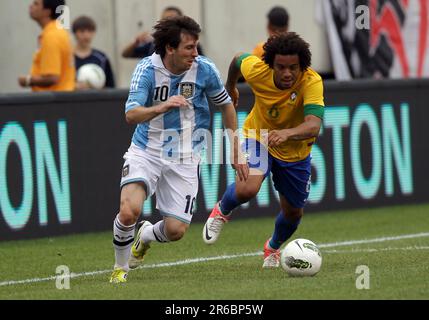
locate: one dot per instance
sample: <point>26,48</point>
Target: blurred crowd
<point>58,65</point>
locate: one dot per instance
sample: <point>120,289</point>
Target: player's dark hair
<point>173,8</point>
<point>168,32</point>
<point>287,44</point>
<point>53,5</point>
<point>278,17</point>
<point>84,23</point>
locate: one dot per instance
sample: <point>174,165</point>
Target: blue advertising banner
<point>61,157</point>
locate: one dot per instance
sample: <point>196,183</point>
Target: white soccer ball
<point>93,75</point>
<point>301,258</point>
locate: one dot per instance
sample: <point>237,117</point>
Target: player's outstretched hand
<point>242,171</point>
<point>241,166</point>
<point>276,137</point>
<point>173,102</point>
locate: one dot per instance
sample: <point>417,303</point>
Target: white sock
<point>123,238</point>
<point>154,233</point>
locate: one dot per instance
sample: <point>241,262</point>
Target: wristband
<point>28,81</point>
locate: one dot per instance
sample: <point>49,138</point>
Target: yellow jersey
<point>277,109</point>
<point>55,57</point>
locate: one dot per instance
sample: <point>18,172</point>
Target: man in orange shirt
<point>278,22</point>
<point>53,63</point>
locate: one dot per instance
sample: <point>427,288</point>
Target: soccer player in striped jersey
<point>289,106</point>
<point>168,100</point>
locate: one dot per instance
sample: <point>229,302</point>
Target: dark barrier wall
<point>61,157</point>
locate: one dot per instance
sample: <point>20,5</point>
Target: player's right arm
<point>141,114</point>
<point>234,73</point>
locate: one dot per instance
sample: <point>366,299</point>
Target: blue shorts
<point>291,179</point>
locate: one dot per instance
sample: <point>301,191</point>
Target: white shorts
<point>175,184</point>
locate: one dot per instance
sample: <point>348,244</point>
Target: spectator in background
<point>84,29</point>
<point>53,65</point>
<point>143,45</point>
<point>278,22</point>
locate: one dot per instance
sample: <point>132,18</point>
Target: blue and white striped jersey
<point>179,133</point>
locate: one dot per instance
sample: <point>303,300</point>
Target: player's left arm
<point>313,116</point>
<point>308,129</point>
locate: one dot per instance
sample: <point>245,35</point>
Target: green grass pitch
<point>392,242</point>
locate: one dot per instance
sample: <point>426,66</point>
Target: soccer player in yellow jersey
<point>289,107</point>
<point>53,63</point>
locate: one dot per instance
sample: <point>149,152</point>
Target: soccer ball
<point>93,75</point>
<point>301,258</point>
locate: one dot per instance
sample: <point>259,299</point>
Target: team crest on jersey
<point>187,89</point>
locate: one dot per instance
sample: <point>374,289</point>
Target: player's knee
<point>175,233</point>
<point>128,213</point>
<point>126,218</point>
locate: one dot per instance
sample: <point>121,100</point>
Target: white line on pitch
<point>384,239</point>
<point>370,250</point>
<point>223,257</point>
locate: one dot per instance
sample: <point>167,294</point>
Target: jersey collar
<point>157,61</point>
<point>158,64</point>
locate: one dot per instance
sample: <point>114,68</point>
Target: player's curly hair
<point>167,32</point>
<point>288,43</point>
